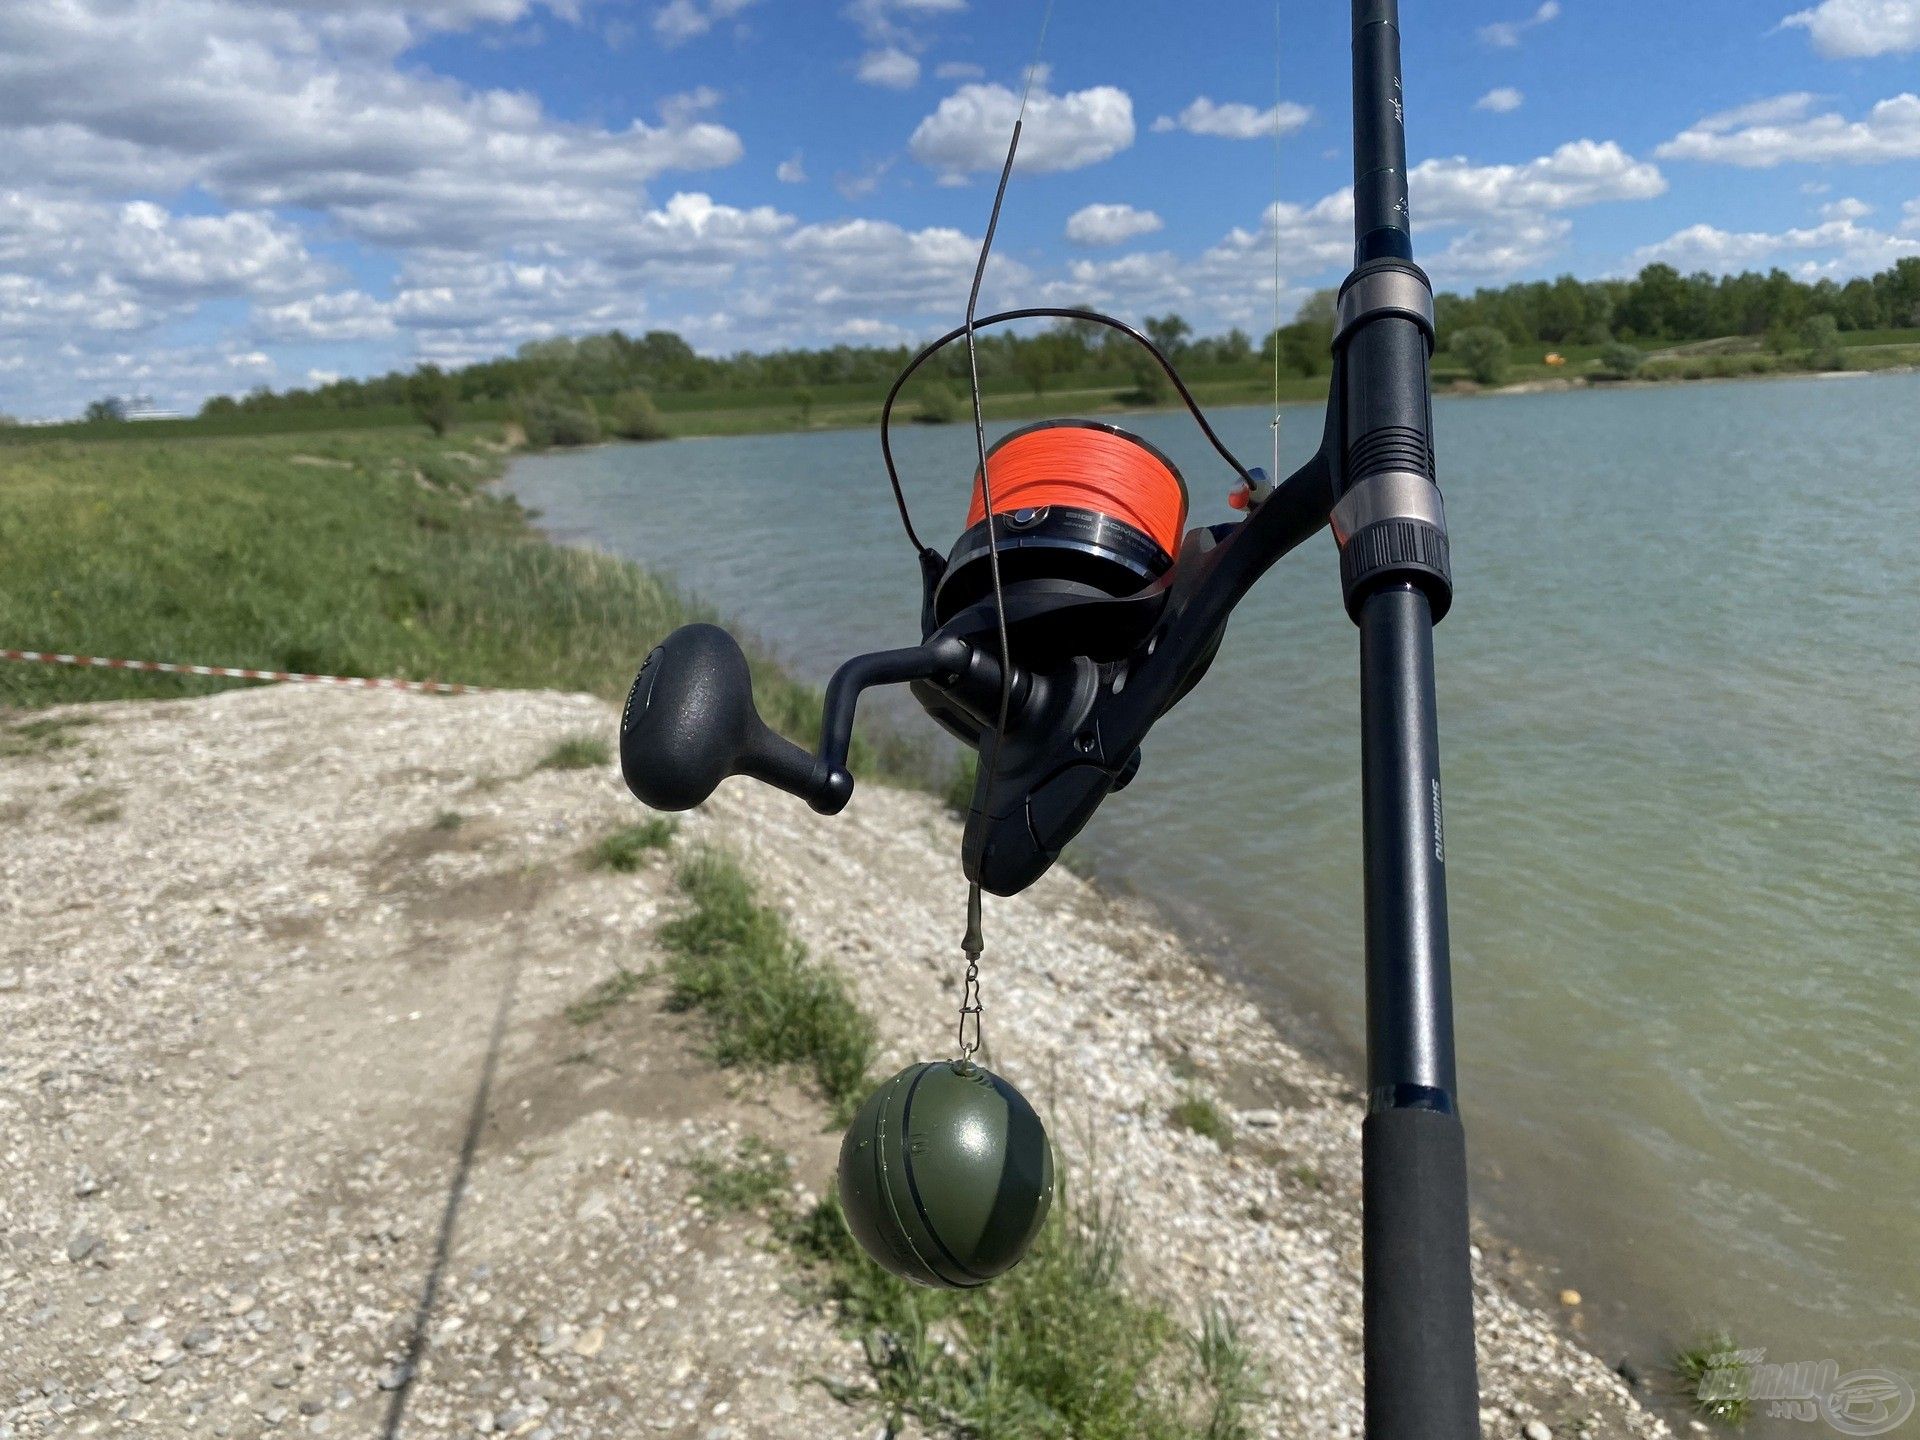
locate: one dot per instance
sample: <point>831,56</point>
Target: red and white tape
<point>227,672</point>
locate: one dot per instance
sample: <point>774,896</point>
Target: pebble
<point>83,1245</point>
<point>1537,1430</point>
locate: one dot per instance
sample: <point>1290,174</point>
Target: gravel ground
<point>298,1137</point>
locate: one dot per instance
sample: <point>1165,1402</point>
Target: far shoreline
<point>998,411</point>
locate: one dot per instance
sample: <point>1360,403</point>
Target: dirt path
<point>299,1137</point>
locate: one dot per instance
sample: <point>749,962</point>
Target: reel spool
<point>1084,512</point>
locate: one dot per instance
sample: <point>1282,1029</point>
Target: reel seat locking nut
<point>1391,525</point>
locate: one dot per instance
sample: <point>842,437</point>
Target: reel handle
<point>690,722</point>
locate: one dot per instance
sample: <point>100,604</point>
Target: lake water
<point>1680,721</point>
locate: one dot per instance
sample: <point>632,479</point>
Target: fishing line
<point>1279,261</point>
<point>973,943</point>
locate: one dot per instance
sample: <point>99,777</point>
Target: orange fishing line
<point>1088,469</point>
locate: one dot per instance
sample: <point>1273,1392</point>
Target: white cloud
<point>1235,120</point>
<point>348,315</point>
<point>679,22</point>
<point>958,70</point>
<point>1503,100</point>
<point>858,184</point>
<point>880,21</point>
<point>1111,224</point>
<point>260,109</point>
<point>864,267</point>
<point>1132,285</point>
<point>1855,29</point>
<point>130,266</point>
<point>1889,131</point>
<point>677,110</point>
<point>1774,110</point>
<point>891,68</point>
<point>792,170</point>
<point>1505,34</point>
<point>970,129</point>
<point>682,20</point>
<point>1496,251</point>
<point>1582,172</point>
<point>1838,246</point>
<point>1498,220</point>
<point>1846,209</point>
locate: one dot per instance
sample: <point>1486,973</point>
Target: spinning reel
<point>1070,615</point>
<point>1113,612</point>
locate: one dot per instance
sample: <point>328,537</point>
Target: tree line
<point>571,381</point>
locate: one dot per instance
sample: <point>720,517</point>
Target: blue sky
<point>204,195</point>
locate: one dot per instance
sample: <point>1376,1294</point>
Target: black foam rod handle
<point>1421,1381</point>
<point>690,722</point>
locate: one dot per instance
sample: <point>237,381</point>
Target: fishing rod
<point>1073,612</point>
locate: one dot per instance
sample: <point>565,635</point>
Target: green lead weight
<point>946,1175</point>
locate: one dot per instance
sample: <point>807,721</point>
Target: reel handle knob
<point>690,722</point>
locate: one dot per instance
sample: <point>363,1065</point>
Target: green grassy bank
<point>771,409</point>
<point>365,552</point>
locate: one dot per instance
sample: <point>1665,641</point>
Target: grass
<point>606,997</point>
<point>625,851</point>
<point>1054,1350</point>
<point>1200,1115</point>
<point>95,806</point>
<point>1714,1375</point>
<point>40,737</point>
<point>959,796</point>
<point>749,1178</point>
<point>578,752</point>
<point>765,1001</point>
<point>449,820</point>
<point>393,556</point>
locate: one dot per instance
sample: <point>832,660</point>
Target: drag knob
<point>690,722</point>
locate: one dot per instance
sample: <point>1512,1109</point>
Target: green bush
<point>551,419</point>
<point>753,1177</point>
<point>766,1002</point>
<point>606,997</point>
<point>1714,1376</point>
<point>938,405</point>
<point>1203,1117</point>
<point>578,752</point>
<point>1484,351</point>
<point>1056,1349</point>
<point>1150,385</point>
<point>966,776</point>
<point>624,851</point>
<point>632,415</point>
<point>430,395</point>
<point>1621,361</point>
<point>1820,338</point>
